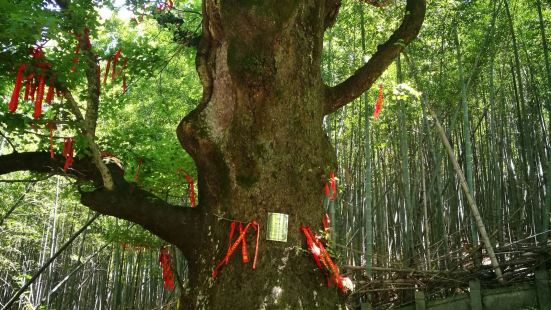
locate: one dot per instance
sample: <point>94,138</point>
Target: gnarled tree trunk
<point>259,145</point>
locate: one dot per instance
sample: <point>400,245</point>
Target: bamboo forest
<point>276,154</point>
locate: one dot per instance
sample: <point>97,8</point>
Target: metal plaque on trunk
<point>277,227</point>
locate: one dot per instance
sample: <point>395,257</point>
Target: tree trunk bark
<point>259,146</point>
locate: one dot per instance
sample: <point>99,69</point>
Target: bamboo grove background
<point>481,66</point>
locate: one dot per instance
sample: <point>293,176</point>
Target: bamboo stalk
<point>48,262</point>
<point>472,204</point>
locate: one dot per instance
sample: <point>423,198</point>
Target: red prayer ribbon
<point>257,228</point>
<point>379,104</point>
<point>33,89</point>
<point>191,189</point>
<point>39,98</point>
<point>323,259</point>
<point>16,89</point>
<point>115,60</point>
<point>68,153</point>
<point>333,186</point>
<point>326,222</point>
<point>168,276</point>
<point>88,45</point>
<point>50,94</point>
<point>232,230</point>
<point>233,246</point>
<point>244,254</point>
<point>75,58</point>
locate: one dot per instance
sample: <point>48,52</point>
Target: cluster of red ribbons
<point>191,186</point>
<point>241,239</point>
<point>324,262</point>
<point>34,85</point>
<point>68,153</point>
<point>111,66</point>
<point>87,46</point>
<point>168,276</point>
<point>379,104</point>
<point>330,190</point>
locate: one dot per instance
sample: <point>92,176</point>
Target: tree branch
<point>363,78</point>
<point>126,201</point>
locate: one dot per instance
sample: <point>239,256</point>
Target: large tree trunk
<point>259,146</point>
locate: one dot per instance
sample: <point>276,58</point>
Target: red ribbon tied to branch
<point>50,94</point>
<point>39,98</point>
<point>16,89</point>
<point>379,104</point>
<point>168,276</point>
<point>68,153</point>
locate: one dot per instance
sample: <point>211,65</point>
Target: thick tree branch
<point>363,78</point>
<point>180,35</point>
<point>126,201</point>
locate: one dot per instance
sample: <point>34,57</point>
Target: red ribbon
<point>240,239</point>
<point>75,58</point>
<point>115,60</point>
<point>50,94</point>
<point>311,245</point>
<point>333,186</point>
<point>168,276</point>
<point>88,45</point>
<point>326,222</point>
<point>232,230</point>
<point>379,104</point>
<point>16,89</point>
<point>39,98</point>
<point>27,88</point>
<point>191,189</point>
<point>257,228</point>
<point>326,189</point>
<point>68,153</point>
<point>322,258</point>
<point>244,254</point>
<point>33,89</point>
